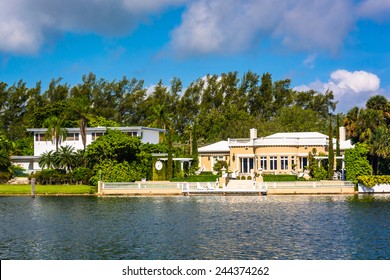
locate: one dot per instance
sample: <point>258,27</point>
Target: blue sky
<point>325,44</point>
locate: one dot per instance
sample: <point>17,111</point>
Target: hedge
<point>372,180</point>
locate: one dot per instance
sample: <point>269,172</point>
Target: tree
<point>65,158</point>
<point>81,109</point>
<point>381,144</point>
<point>55,130</point>
<point>114,145</point>
<point>338,152</point>
<point>356,162</point>
<point>47,160</point>
<point>330,152</point>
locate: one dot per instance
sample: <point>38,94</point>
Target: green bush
<point>356,163</point>
<point>372,180</point>
<point>4,176</point>
<point>112,171</point>
<point>320,173</point>
<point>82,174</point>
<point>219,165</point>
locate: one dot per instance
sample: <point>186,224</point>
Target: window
<point>273,163</point>
<point>304,162</point>
<point>263,163</point>
<point>284,163</point>
<point>246,164</point>
<point>72,137</point>
<point>219,158</point>
<point>96,135</point>
<point>132,133</point>
<point>40,137</point>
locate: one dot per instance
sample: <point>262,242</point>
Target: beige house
<point>280,153</point>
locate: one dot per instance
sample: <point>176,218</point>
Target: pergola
<point>319,158</point>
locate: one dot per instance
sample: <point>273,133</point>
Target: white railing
<point>240,141</point>
<point>306,185</point>
<point>159,185</point>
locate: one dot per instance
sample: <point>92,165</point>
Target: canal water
<point>195,227</point>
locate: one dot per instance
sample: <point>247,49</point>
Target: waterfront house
<point>73,139</point>
<point>280,153</point>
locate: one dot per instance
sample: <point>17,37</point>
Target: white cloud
<point>25,24</point>
<point>150,5</point>
<point>215,26</point>
<point>358,81</point>
<point>207,26</point>
<point>349,88</point>
<point>375,9</point>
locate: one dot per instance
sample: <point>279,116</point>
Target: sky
<point>343,46</point>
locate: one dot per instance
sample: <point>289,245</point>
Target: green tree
<point>338,151</point>
<point>80,107</point>
<point>65,158</point>
<point>56,131</point>
<point>47,160</point>
<point>113,146</point>
<point>381,144</point>
<point>330,152</point>
<point>356,162</point>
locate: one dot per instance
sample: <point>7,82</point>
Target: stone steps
<point>240,184</point>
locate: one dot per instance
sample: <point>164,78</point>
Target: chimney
<point>253,133</point>
<point>342,133</point>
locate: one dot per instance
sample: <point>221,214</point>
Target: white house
<point>73,139</point>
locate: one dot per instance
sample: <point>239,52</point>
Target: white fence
<point>306,185</point>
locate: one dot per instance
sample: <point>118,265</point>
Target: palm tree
<point>47,160</point>
<point>65,158</point>
<point>380,144</point>
<point>55,130</point>
<point>81,108</point>
<point>160,117</point>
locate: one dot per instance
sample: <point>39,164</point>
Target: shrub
<point>112,171</point>
<point>219,165</point>
<point>82,174</point>
<point>356,163</point>
<point>372,180</point>
<point>279,178</point>
<point>4,176</point>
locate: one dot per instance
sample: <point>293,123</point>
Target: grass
<point>279,178</point>
<point>47,189</point>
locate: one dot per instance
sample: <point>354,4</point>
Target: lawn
<point>47,189</point>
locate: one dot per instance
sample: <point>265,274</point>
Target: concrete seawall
<point>178,189</point>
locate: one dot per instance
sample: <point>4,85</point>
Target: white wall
<point>40,147</point>
<point>150,136</point>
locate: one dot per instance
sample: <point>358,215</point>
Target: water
<point>209,227</point>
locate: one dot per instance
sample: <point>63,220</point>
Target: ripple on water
<point>229,227</point>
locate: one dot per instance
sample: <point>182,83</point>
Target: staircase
<point>240,185</point>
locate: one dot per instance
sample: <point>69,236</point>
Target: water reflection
<point>204,227</point>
